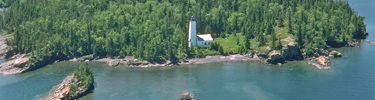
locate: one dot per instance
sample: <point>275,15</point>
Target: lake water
<point>351,77</point>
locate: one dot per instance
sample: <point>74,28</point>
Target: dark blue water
<point>351,77</point>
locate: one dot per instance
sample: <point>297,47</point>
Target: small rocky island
<point>76,85</point>
<point>187,96</point>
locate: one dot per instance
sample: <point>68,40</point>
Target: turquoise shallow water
<point>352,77</point>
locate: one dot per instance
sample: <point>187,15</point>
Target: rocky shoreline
<point>20,63</point>
<point>130,61</point>
<point>15,66</point>
<point>289,52</point>
<point>321,58</point>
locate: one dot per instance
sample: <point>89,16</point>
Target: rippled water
<point>352,77</point>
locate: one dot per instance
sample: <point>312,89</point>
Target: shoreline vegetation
<point>155,32</point>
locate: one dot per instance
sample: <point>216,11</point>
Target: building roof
<point>192,18</point>
<point>205,37</point>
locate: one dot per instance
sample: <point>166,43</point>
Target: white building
<point>203,40</point>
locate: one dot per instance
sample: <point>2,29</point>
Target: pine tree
<point>247,43</point>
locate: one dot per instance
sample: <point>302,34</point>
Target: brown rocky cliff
<point>61,91</point>
<point>15,66</point>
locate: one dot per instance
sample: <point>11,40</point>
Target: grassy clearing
<point>210,52</point>
<point>230,44</point>
<point>282,32</point>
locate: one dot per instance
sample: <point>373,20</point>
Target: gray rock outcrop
<point>5,51</point>
<point>353,44</point>
<point>15,66</point>
<point>292,52</point>
<point>113,63</point>
<point>335,53</point>
<point>366,33</point>
<point>21,63</point>
<point>83,58</point>
<point>323,52</point>
<point>322,62</point>
<point>320,52</point>
<point>275,57</point>
<point>263,54</point>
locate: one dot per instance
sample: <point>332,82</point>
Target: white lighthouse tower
<point>202,40</point>
<point>192,32</point>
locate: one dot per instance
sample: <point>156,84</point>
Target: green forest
<point>156,30</point>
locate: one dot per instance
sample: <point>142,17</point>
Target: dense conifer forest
<point>158,29</point>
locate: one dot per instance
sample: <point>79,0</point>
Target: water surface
<point>352,77</point>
